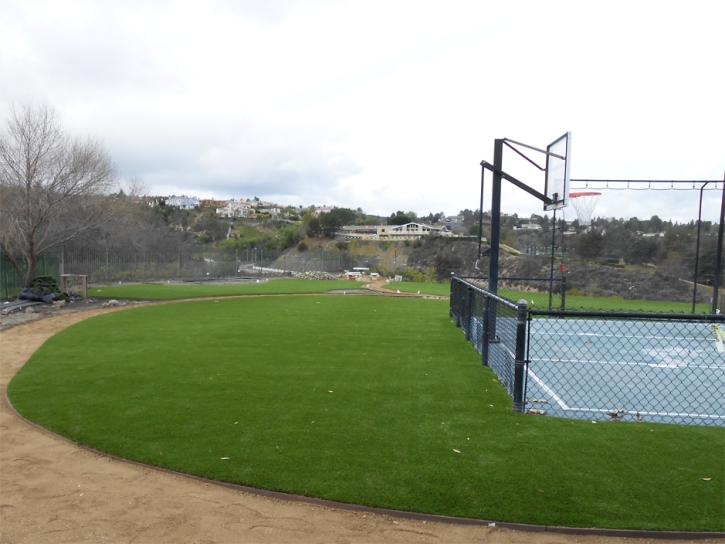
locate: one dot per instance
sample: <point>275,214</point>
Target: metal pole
<point>480,215</point>
<point>484,327</point>
<point>718,263</point>
<point>469,312</point>
<point>453,294</point>
<point>697,249</point>
<point>495,215</point>
<point>520,364</point>
<point>553,241</point>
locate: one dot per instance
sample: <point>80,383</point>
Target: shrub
<point>302,247</point>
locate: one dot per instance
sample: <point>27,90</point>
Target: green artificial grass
<point>361,400</point>
<point>170,291</point>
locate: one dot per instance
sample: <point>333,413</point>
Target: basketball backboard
<point>558,171</point>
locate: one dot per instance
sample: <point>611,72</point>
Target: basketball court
<point>669,372</point>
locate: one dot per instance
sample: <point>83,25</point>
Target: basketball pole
<point>495,215</point>
<point>553,242</point>
<point>718,262</point>
<point>480,215</point>
<point>697,249</point>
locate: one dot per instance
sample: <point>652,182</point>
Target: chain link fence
<point>540,293</point>
<point>496,327</point>
<point>107,267</point>
<point>664,368</point>
<point>200,263</point>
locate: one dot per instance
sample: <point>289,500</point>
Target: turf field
<point>170,291</point>
<point>369,400</point>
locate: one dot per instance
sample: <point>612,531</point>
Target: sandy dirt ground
<point>54,491</point>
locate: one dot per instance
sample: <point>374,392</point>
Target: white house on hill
<point>183,202</point>
<point>235,208</point>
<point>409,231</point>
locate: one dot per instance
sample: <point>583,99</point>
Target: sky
<point>383,105</point>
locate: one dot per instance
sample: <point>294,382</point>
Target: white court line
<point>546,388</point>
<point>645,413</point>
<point>626,363</point>
<point>645,336</point>
<point>563,405</point>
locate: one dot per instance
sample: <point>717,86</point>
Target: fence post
<point>563,292</point>
<point>520,365</point>
<point>453,294</point>
<point>469,312</point>
<point>484,332</point>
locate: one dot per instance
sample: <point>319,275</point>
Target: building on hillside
<point>358,231</point>
<point>212,203</point>
<point>528,226</point>
<point>236,208</point>
<point>409,231</point>
<point>273,211</point>
<point>184,202</point>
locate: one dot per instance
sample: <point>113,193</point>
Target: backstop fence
<point>616,366</point>
<point>139,266</point>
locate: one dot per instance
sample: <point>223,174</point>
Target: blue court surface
<point>629,370</point>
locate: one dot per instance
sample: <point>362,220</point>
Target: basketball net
<point>584,204</point>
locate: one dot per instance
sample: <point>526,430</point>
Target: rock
<point>59,303</point>
<point>30,310</point>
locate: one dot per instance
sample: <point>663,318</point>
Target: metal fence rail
<point>665,368</point>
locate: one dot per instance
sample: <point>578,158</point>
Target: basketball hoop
<point>584,204</point>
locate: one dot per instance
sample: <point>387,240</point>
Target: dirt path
<point>54,491</point>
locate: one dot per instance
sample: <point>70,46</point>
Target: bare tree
<point>53,188</point>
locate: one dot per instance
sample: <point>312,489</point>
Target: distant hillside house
<point>212,203</point>
<point>528,226</point>
<point>183,202</point>
<point>453,221</point>
<point>235,208</point>
<point>365,232</point>
<point>409,231</point>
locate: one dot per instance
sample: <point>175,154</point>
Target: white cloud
<point>381,105</point>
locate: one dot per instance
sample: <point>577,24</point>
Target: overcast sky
<point>387,105</point>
